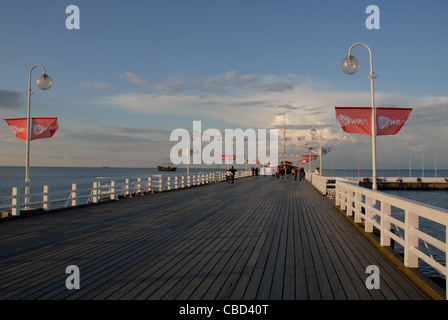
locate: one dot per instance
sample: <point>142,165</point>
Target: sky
<point>136,70</point>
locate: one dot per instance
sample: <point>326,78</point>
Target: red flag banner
<point>391,120</point>
<point>41,128</point>
<point>358,120</point>
<point>355,120</point>
<point>229,157</point>
<point>309,157</point>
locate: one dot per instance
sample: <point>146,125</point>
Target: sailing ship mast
<point>284,138</point>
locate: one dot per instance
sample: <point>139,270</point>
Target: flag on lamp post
<point>41,128</point>
<point>389,121</point>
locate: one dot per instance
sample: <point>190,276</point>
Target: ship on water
<point>167,166</point>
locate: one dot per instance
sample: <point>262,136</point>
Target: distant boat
<point>168,166</point>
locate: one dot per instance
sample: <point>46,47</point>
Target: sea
<point>437,198</point>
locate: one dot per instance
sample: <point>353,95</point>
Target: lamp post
<point>313,133</point>
<point>350,65</point>
<point>44,82</point>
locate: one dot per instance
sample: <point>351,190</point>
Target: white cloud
<point>131,77</point>
<point>97,85</point>
<point>11,99</point>
<point>295,100</point>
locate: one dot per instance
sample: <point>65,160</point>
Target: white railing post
<point>46,198</point>
<point>113,191</point>
<point>358,207</point>
<point>368,226</point>
<point>160,184</point>
<point>139,185</point>
<point>74,195</point>
<point>95,192</point>
<point>338,194</point>
<point>343,193</point>
<point>149,186</point>
<point>15,202</point>
<point>385,224</point>
<point>126,185</point>
<point>411,241</point>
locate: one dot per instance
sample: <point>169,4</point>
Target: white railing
<point>325,185</point>
<point>375,209</point>
<point>55,194</point>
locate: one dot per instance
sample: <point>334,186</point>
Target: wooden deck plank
<point>165,259</point>
<point>264,290</point>
<point>344,253</point>
<point>347,238</point>
<point>217,256</point>
<point>211,292</point>
<point>259,238</point>
<point>290,276</point>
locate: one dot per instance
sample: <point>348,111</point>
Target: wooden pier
<point>257,239</point>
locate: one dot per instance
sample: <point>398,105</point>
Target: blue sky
<point>136,70</point>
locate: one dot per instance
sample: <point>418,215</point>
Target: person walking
<point>232,174</point>
<point>301,174</point>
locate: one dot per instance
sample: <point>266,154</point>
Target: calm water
<point>435,198</point>
<point>13,174</point>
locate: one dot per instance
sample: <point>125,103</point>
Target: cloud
<point>174,87</point>
<point>133,78</point>
<point>226,81</point>
<point>97,85</point>
<point>275,87</point>
<point>82,120</point>
<point>11,99</point>
<point>429,114</point>
<point>133,130</point>
<point>260,101</point>
<point>105,138</point>
<point>419,148</point>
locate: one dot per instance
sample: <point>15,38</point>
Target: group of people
<point>297,173</point>
<point>230,175</point>
<point>289,172</point>
<point>255,171</point>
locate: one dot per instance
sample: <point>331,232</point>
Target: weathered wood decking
<point>259,238</point>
